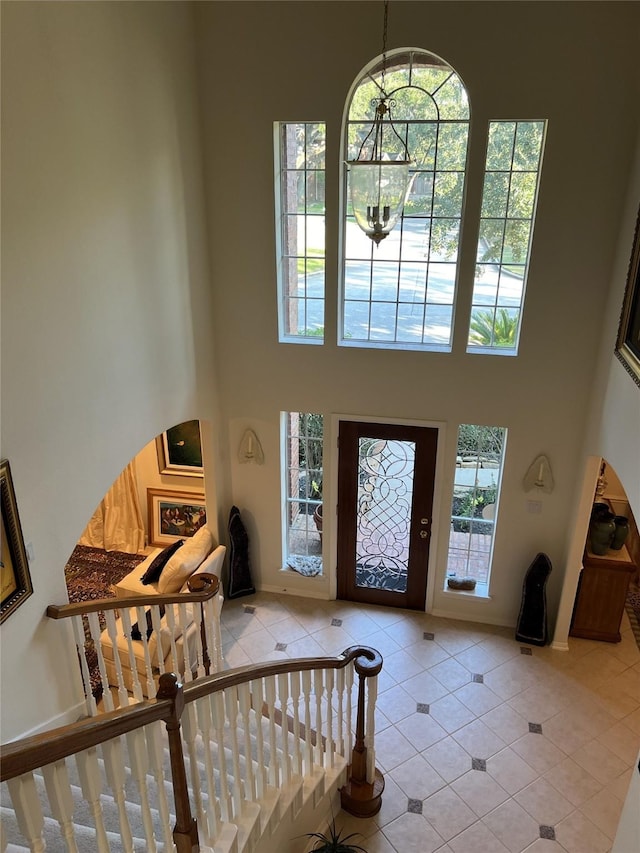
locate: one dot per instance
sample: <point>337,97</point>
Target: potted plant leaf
<point>333,841</point>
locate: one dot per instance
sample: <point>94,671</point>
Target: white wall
<point>105,288</point>
<point>570,63</point>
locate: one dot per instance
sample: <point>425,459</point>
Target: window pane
<point>512,173</point>
<point>397,294</point>
<point>302,545</point>
<point>300,160</point>
<point>479,460</point>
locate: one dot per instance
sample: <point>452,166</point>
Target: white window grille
<point>474,509</point>
<point>512,175</point>
<point>300,230</point>
<point>401,294</point>
<point>302,518</point>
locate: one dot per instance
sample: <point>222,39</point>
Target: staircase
<point>248,759</point>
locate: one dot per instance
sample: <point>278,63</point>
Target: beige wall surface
<point>570,63</point>
<point>105,291</point>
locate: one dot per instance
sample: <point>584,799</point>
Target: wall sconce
<point>539,476</point>
<point>250,448</point>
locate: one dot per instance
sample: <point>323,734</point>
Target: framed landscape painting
<point>628,343</point>
<point>15,579</point>
<point>174,515</point>
<point>180,451</point>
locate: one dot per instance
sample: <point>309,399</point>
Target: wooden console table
<point>601,596</point>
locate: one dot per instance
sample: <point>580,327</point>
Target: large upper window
<point>303,434</point>
<point>476,489</point>
<point>514,157</point>
<point>300,177</point>
<point>401,294</point>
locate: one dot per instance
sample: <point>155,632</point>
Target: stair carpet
<point>135,814</point>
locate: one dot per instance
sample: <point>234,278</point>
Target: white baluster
<point>56,781</point>
<point>189,733</point>
<point>116,775</point>
<point>270,700</point>
<point>348,677</point>
<point>330,745</point>
<point>203,710</point>
<point>283,693</point>
<point>216,604</point>
<point>217,709</point>
<point>26,804</point>
<point>257,700</point>
<point>244,699</point>
<point>135,678</point>
<point>112,630</point>
<point>79,637</point>
<point>154,734</point>
<point>318,687</point>
<point>91,784</point>
<point>138,761</point>
<point>295,702</point>
<point>370,727</point>
<point>231,705</point>
<point>340,689</point>
<point>156,624</point>
<point>141,615</point>
<point>308,741</point>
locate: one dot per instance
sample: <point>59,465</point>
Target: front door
<point>385,501</point>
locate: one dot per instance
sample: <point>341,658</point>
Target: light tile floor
<point>486,745</point>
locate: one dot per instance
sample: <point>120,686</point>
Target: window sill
<point>481,592</point>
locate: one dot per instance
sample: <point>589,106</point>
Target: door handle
<point>423,534</point>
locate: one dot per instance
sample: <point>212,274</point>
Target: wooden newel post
<point>185,832</point>
<point>360,797</point>
<point>198,584</point>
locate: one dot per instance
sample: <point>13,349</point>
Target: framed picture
<point>174,515</point>
<point>14,572</point>
<point>628,343</point>
<point>179,450</point>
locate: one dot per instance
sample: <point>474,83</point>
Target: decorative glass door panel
<point>385,500</point>
<point>383,518</point>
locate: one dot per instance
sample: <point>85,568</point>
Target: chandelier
<point>379,181</point>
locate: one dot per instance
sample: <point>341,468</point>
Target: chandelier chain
<point>384,44</point>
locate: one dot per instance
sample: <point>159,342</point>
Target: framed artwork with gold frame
<point>15,580</point>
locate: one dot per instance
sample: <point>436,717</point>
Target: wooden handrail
<point>27,754</point>
<point>22,756</point>
<point>64,611</point>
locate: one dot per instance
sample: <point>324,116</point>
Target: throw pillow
<point>185,561</point>
<point>155,569</point>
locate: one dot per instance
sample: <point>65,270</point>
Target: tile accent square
<point>479,764</point>
<point>535,728</point>
<point>478,678</point>
<point>422,708</point>
<point>414,806</point>
<point>427,635</point>
<point>525,651</point>
<point>337,623</point>
<point>249,608</point>
<point>548,832</point>
<point>281,647</point>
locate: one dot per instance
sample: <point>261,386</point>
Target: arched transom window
<point>401,294</point>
